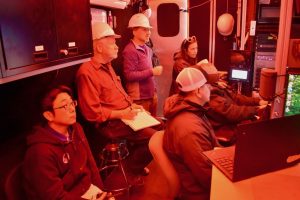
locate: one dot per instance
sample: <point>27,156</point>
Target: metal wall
<point>165,47</point>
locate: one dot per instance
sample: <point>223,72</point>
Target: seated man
<point>58,163</point>
<point>226,108</point>
<point>103,101</point>
<point>188,133</point>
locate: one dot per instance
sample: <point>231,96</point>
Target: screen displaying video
<point>239,74</point>
<point>292,102</point>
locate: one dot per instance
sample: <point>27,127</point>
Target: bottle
<point>110,19</point>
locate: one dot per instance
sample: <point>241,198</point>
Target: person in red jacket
<point>226,108</point>
<point>58,163</point>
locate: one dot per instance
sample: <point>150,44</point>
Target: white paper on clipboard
<point>141,120</point>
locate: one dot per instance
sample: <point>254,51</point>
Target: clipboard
<point>141,120</point>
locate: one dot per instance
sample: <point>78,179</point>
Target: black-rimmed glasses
<point>68,105</point>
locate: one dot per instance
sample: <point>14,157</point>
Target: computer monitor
<point>292,99</point>
<point>237,74</point>
<point>240,70</point>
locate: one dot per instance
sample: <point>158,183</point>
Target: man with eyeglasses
<point>188,133</point>
<point>58,163</point>
<point>137,65</point>
<point>103,102</point>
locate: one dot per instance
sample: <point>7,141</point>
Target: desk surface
<point>279,185</point>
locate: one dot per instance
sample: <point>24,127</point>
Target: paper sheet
<point>142,120</point>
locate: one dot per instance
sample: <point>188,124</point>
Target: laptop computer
<point>261,147</point>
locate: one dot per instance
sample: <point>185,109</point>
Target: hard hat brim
<point>140,26</point>
<point>114,36</point>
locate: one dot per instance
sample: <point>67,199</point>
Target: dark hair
<point>50,96</point>
<point>184,47</point>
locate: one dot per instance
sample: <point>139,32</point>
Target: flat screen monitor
<point>236,74</point>
<point>240,67</point>
<point>292,100</point>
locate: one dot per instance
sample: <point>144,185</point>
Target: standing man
<point>188,133</point>
<point>58,162</point>
<point>103,101</point>
<point>138,71</point>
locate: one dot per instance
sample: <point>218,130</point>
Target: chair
<point>13,184</point>
<point>160,157</point>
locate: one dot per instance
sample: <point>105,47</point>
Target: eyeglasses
<point>68,105</point>
<point>190,40</point>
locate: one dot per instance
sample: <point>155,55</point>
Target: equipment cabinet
<point>37,34</point>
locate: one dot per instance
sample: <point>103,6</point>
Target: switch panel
<point>252,28</point>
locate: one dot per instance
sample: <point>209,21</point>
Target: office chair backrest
<point>13,184</point>
<point>160,157</point>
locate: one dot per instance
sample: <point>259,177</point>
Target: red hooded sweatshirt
<point>188,133</point>
<point>57,169</point>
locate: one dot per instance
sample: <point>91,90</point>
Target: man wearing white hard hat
<point>188,133</point>
<point>103,102</point>
<point>137,67</point>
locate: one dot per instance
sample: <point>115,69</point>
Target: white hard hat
<point>101,30</point>
<point>190,79</point>
<point>139,20</point>
<point>225,24</point>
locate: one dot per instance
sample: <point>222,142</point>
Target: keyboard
<point>226,162</point>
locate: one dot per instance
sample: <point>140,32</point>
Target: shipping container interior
<point>43,43</point>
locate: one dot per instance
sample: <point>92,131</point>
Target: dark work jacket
<point>188,133</point>
<point>227,107</point>
<point>54,169</point>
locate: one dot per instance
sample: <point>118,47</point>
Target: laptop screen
<point>261,147</point>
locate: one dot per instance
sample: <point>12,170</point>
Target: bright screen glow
<point>292,102</point>
<point>239,74</point>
